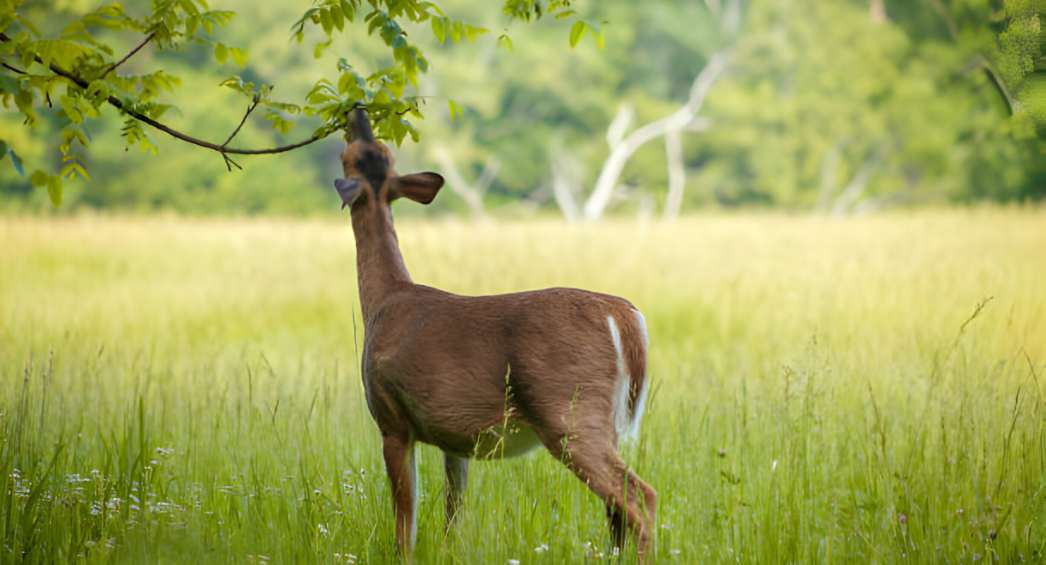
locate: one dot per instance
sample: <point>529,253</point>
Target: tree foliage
<point>823,104</point>
<point>72,69</point>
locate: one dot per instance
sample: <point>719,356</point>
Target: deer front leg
<point>403,476</point>
<point>457,471</point>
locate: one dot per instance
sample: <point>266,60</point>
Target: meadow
<point>862,390</point>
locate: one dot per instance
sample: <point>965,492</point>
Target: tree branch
<point>229,163</point>
<point>130,54</point>
<point>15,69</point>
<point>120,105</point>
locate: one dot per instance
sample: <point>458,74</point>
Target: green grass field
<point>858,390</point>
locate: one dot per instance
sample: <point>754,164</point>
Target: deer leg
<point>457,471</point>
<point>631,502</point>
<point>618,528</point>
<point>402,471</point>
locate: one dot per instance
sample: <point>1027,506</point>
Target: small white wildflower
<point>165,451</point>
<point>323,529</point>
<point>773,466</point>
<point>513,562</point>
<point>674,552</point>
<point>541,548</point>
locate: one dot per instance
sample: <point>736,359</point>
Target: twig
<point>130,54</point>
<point>15,69</point>
<point>229,162</point>
<point>119,105</point>
<point>254,104</point>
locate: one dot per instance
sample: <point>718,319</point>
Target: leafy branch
<point>78,75</point>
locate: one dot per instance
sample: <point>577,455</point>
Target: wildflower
<point>513,562</point>
<point>773,466</point>
<point>323,529</point>
<point>541,548</point>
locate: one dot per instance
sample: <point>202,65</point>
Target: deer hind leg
<point>618,527</point>
<point>630,501</point>
<point>403,477</point>
<point>457,470</point>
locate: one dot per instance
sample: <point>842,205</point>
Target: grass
<point>862,390</point>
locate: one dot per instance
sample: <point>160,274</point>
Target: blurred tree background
<point>843,106</point>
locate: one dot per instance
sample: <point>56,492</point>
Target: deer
<point>489,377</point>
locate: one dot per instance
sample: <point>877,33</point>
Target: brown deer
<point>489,376</point>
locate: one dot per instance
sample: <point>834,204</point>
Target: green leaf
<point>221,52</point>
<point>337,17</point>
<point>439,29</point>
<point>455,110</point>
<point>239,56</point>
<point>72,168</point>
<point>472,32</point>
<point>16,161</point>
<point>3,149</point>
<point>576,32</point>
<point>505,42</point>
<point>326,21</point>
<point>54,190</point>
<point>39,178</point>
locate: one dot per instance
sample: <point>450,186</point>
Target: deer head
<point>370,179</point>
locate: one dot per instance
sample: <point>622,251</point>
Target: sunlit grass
<point>180,390</point>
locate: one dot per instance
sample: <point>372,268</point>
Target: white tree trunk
<point>855,188</point>
<point>563,189</point>
<point>471,193</point>
<point>676,174</point>
<point>683,118</point>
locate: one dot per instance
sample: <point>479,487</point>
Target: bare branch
<point>130,54</point>
<point>981,62</point>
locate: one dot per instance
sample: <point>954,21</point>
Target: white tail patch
<point>637,411</point>
<point>621,416</point>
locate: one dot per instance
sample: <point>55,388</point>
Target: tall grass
<point>867,390</point>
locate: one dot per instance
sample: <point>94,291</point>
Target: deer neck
<point>379,264</point>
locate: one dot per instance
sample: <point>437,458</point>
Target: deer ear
<point>419,187</point>
<point>348,190</point>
